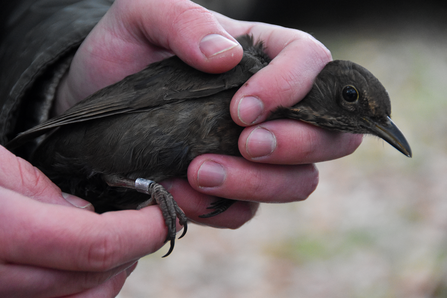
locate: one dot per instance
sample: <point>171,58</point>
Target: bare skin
<point>55,245</point>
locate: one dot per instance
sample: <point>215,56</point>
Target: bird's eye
<point>350,94</point>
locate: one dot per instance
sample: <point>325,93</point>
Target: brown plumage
<point>153,123</point>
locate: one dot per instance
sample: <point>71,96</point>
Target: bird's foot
<point>219,206</point>
<point>169,208</point>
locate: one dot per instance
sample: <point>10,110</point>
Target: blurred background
<point>377,224</point>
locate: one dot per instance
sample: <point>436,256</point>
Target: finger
<point>29,281</point>
<point>110,288</point>
<point>238,214</point>
<point>297,59</point>
<point>195,203</point>
<point>187,29</point>
<point>239,179</point>
<point>294,142</point>
<point>64,238</point>
<point>130,269</point>
<point>20,176</point>
<point>134,34</point>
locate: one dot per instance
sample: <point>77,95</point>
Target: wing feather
<point>158,84</point>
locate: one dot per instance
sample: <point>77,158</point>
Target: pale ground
<point>377,224</point>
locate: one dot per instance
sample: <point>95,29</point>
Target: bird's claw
<point>219,206</point>
<point>169,208</point>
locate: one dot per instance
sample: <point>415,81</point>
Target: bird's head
<point>347,97</point>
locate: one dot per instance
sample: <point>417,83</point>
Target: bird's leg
<point>169,208</point>
<point>219,206</point>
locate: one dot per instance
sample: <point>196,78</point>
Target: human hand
<point>278,155</point>
<point>51,248</point>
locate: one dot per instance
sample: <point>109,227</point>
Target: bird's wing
<point>159,84</point>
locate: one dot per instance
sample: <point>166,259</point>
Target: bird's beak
<point>390,133</point>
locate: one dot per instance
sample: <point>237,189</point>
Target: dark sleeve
<point>38,38</point>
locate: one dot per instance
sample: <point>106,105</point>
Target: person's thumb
<point>182,27</point>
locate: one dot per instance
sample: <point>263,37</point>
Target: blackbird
<point>112,147</point>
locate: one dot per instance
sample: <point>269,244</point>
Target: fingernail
<point>210,174</point>
<point>249,110</point>
<point>76,201</point>
<point>261,142</point>
<point>215,44</point>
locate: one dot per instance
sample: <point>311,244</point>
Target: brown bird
<point>114,146</point>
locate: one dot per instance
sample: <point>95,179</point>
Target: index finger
<point>60,237</point>
<point>297,60</point>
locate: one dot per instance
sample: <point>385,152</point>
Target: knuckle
<point>312,183</point>
<point>32,180</point>
<point>304,184</point>
<point>255,185</point>
<point>102,253</point>
<point>309,144</point>
<point>246,211</point>
<point>191,18</point>
<point>288,81</point>
<point>318,52</point>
